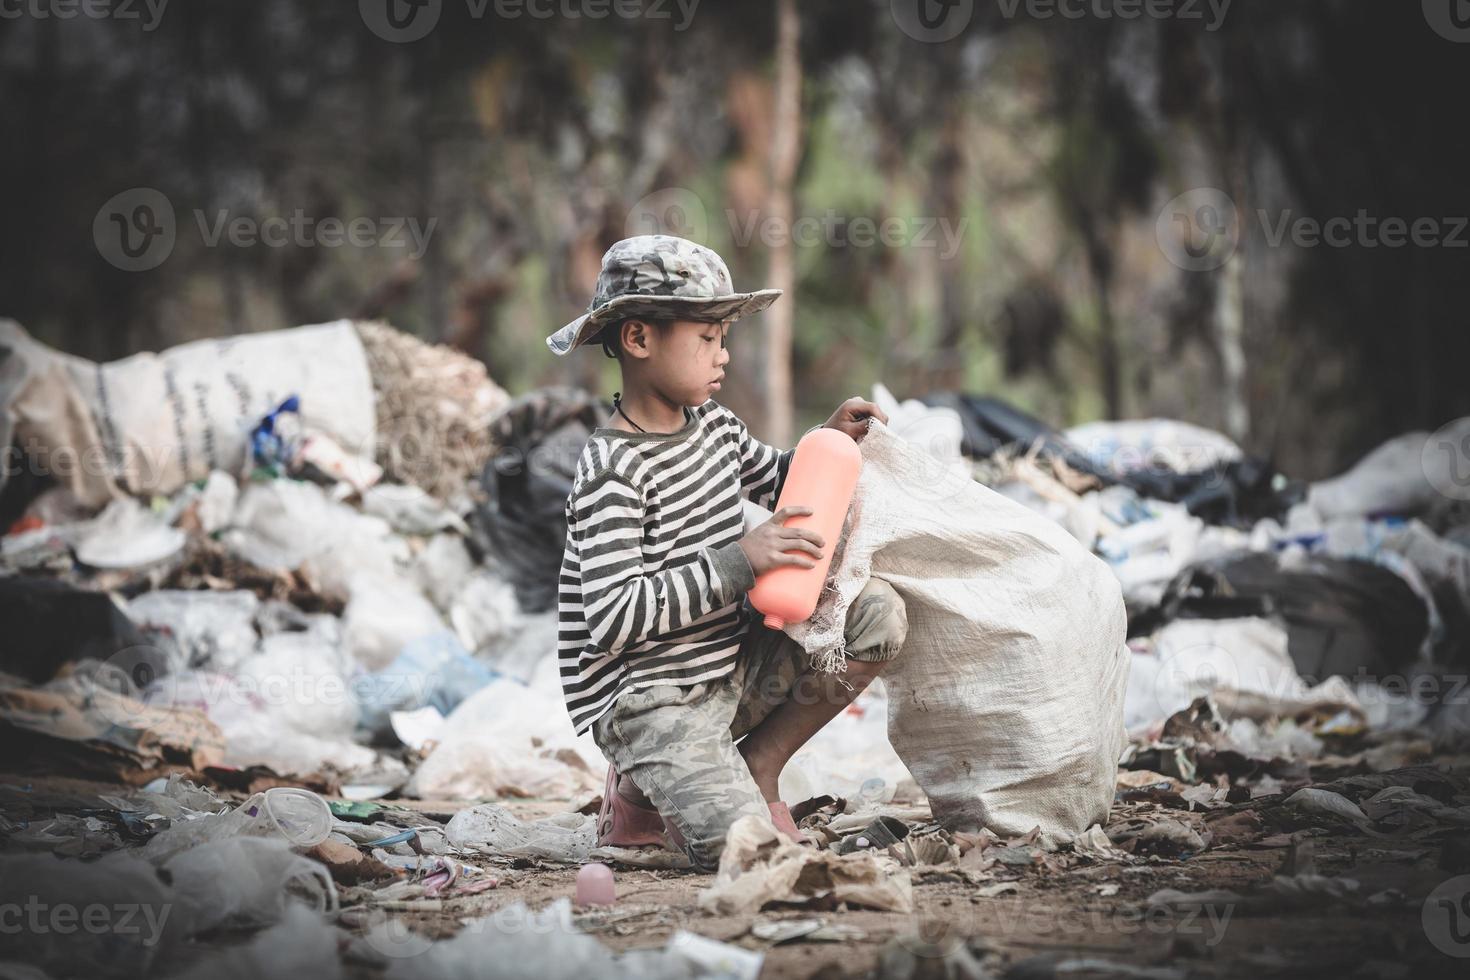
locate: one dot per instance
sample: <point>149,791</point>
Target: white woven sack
<point>152,422</point>
<point>1006,702</point>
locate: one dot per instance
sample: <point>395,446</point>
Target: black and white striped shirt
<point>653,575</point>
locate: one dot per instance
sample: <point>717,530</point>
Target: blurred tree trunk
<point>948,200</point>
<point>785,152</point>
<point>748,97</point>
<point>1230,339</point>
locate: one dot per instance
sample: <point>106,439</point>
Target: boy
<point>660,657</point>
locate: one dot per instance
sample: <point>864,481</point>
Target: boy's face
<point>685,360</point>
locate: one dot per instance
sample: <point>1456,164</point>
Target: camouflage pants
<point>677,743</point>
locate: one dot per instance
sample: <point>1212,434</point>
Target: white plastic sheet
<point>510,739</point>
<point>1128,446</point>
<point>1243,663</point>
<point>1399,477</point>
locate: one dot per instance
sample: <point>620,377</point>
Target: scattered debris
<point>760,866</point>
<point>150,626</point>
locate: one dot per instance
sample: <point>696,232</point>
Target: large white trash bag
<point>1006,702</point>
<point>152,422</point>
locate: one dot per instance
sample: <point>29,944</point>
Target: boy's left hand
<point>852,417</point>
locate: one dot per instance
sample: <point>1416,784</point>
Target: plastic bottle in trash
<point>823,475</point>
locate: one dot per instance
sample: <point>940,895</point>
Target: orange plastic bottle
<point>823,475</point>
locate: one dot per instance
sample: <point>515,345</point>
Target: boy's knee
<point>877,622</point>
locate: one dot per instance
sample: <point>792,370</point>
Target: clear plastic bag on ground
<point>410,510</point>
<point>441,567</point>
<point>485,612</point>
<point>511,739</point>
<point>492,829</point>
<point>217,499</point>
<point>120,883</point>
<point>291,706</point>
<point>173,797</point>
<point>546,945</point>
<point>1244,664</point>
<point>1124,447</point>
<point>302,944</point>
<point>293,816</point>
<point>245,882</point>
<point>527,649</point>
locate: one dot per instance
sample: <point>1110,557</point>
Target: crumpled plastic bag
<point>492,829</point>
<point>207,629</point>
<point>243,882</point>
<point>509,739</point>
<point>144,928</point>
<point>759,865</point>
<point>1398,477</point>
<point>516,941</point>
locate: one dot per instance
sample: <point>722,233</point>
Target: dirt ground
<point>1089,919</point>
<point>1061,917</point>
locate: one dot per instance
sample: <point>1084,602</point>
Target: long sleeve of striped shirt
<point>623,606</point>
<point>762,467</point>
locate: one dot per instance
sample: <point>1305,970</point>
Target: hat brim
<point>731,307</point>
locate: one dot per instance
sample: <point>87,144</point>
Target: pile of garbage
<point>285,555</point>
<point>291,593</point>
<point>1277,598</point>
<point>178,875</point>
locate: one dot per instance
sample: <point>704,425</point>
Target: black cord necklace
<point>618,404</point>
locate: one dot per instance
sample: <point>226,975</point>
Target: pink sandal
<point>624,824</point>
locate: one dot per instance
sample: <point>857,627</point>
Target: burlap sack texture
<point>434,407</point>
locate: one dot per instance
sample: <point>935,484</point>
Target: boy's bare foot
<point>815,699</point>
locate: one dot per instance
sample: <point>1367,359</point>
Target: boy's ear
<point>637,334</point>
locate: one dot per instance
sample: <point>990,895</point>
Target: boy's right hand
<point>766,546</point>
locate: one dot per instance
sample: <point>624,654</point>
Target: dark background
<point>530,141</point>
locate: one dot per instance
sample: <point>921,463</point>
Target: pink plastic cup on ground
<point>595,885</point>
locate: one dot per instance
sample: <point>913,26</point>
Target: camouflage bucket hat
<point>660,276</point>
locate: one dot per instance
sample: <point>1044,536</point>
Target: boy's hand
<point>766,546</point>
<point>852,417</point>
